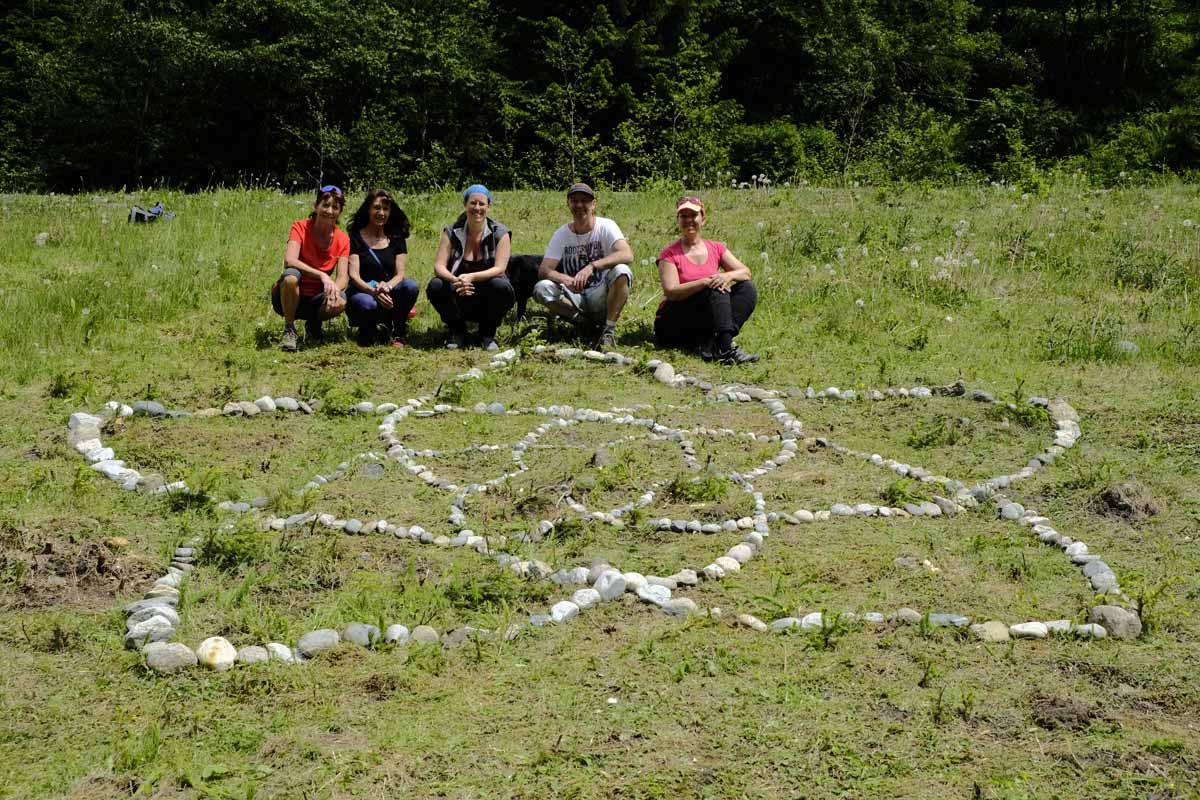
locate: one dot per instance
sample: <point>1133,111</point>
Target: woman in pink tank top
<point>707,292</point>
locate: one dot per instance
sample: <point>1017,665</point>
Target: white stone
<point>396,634</point>
<point>216,653</point>
<point>1090,631</point>
<point>803,514</point>
<point>265,403</point>
<point>564,611</point>
<point>664,373</point>
<point>741,553</point>
<point>280,652</point>
<point>812,621</point>
<point>634,581</point>
<point>586,598</point>
<point>728,564</point>
<point>609,585</point>
<point>654,594</point>
<point>1028,630</point>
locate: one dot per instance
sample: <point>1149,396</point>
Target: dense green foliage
<point>415,94</point>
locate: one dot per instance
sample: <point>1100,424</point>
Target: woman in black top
<point>380,297</point>
<point>470,282</point>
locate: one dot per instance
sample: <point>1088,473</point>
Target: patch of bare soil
<point>83,575</point>
<point>1127,500</point>
<point>1064,712</point>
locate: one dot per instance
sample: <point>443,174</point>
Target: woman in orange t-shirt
<point>313,284</point>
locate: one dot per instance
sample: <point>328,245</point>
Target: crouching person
<point>313,284</point>
<point>585,274</point>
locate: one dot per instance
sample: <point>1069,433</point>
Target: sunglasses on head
<point>695,200</point>
<point>331,189</point>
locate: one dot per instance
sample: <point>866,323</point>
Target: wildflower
<point>85,312</point>
<point>1187,223</point>
<point>645,262</point>
<point>860,302</point>
<point>761,225</point>
<point>841,253</point>
<point>941,275</point>
<point>938,261</point>
<point>763,255</point>
<point>914,263</point>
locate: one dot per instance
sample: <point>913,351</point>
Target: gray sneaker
<point>607,340</point>
<point>289,342</point>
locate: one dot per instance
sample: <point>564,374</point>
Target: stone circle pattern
<point>152,621</point>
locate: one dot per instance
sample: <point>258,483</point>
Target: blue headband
<point>477,188</point>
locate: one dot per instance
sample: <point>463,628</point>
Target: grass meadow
<point>1075,292</point>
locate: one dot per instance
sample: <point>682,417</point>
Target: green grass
<point>1016,296</point>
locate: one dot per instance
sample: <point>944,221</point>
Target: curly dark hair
<point>397,226</point>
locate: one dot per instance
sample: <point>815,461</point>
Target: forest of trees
<point>419,94</point>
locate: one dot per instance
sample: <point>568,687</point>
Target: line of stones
<point>658,592</point>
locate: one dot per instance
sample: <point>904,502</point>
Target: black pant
<point>487,306</point>
<point>523,274</point>
<point>696,319</point>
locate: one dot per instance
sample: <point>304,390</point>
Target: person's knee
<point>405,289</point>
<point>622,276</point>
<point>290,281</point>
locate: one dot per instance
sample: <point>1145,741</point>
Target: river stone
<point>424,634</point>
<point>991,631</point>
<point>155,629</point>
<point>168,657</point>
<point>752,622</point>
<point>287,404</point>
<point>1090,631</point>
<point>315,642</point>
<point>948,620</point>
<point>372,470</point>
<point>1012,511</point>
<point>154,602</point>
<point>564,611</point>
<point>281,652</point>
<point>1120,623</point>
<point>812,622</point>
<point>633,581</point>
<point>216,653</point>
<point>396,634</point>
<point>361,634</point>
<point>153,611</point>
<point>654,594</point>
<point>664,373</point>
<point>783,623</point>
<point>908,615</point>
<point>741,553</point>
<point>1028,630</point>
<point>265,403</point>
<point>586,598</point>
<point>253,655</point>
<point>680,607</point>
<point>728,564</point>
<point>149,408</point>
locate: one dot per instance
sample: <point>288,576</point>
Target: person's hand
<point>464,286</point>
<point>721,282</point>
<point>329,289</point>
<point>383,295</point>
<point>580,281</point>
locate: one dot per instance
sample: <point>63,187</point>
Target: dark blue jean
<point>363,309</point>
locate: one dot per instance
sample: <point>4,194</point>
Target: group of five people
<point>584,276</point>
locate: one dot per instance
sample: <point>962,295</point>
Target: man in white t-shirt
<point>585,274</point>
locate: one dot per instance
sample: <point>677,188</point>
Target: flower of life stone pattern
<point>152,622</point>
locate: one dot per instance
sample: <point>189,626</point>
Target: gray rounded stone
<point>1119,622</point>
<point>316,642</point>
<point>253,655</point>
<point>168,657</point>
<point>361,634</point>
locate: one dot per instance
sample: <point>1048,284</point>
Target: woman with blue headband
<point>469,282</point>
